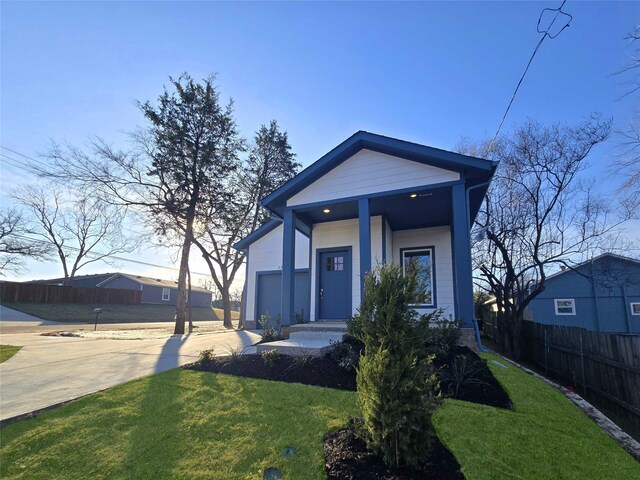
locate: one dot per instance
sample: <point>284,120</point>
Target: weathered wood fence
<point>604,364</point>
<point>40,293</point>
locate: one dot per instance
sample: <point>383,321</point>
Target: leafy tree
<point>539,214</point>
<point>177,172</point>
<point>193,144</point>
<point>78,231</point>
<point>15,244</point>
<point>270,164</point>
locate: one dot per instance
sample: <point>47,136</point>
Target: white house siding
<point>440,239</point>
<point>265,254</point>
<point>369,172</point>
<point>345,233</point>
<point>388,237</point>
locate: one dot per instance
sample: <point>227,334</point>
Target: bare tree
<point>627,162</point>
<point>15,244</point>
<point>176,172</point>
<point>538,214</point>
<point>80,231</point>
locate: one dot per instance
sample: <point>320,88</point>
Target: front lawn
<point>8,351</point>
<point>188,424</point>
<point>179,424</point>
<point>545,437</point>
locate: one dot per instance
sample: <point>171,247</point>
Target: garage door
<point>269,295</point>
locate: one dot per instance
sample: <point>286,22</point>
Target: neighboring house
<point>602,295</point>
<point>370,200</point>
<point>154,290</point>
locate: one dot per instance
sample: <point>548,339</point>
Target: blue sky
<point>426,72</point>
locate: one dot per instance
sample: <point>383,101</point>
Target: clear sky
<point>426,72</point>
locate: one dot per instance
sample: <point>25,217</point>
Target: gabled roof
<point>378,143</point>
<point>595,259</point>
<point>155,282</point>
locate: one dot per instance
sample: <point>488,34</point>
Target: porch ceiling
<point>429,208</point>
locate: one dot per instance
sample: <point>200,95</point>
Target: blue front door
<point>334,285</point>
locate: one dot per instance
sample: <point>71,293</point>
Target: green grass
<point>7,351</point>
<point>64,312</point>
<point>184,424</point>
<point>179,424</point>
<point>545,437</point>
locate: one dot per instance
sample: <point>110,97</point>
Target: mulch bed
<point>347,458</point>
<point>318,371</point>
<point>484,389</point>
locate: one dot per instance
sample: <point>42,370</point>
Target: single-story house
<point>154,290</point>
<point>370,200</point>
<point>602,295</point>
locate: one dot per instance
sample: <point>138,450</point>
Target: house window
<point>565,306</point>
<point>635,308</point>
<point>420,260</point>
<point>335,264</point>
<point>165,294</point>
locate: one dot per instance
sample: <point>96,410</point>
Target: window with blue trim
<point>420,262</point>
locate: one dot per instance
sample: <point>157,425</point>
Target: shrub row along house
<point>153,290</point>
<point>372,199</point>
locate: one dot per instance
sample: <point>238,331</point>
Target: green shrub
<point>442,335</point>
<point>397,386</point>
<point>461,371</point>
<point>270,328</point>
<point>344,355</point>
<point>206,355</point>
<point>397,395</point>
<point>270,357</point>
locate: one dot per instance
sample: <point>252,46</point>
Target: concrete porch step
<point>319,327</point>
<point>324,335</point>
<point>316,348</point>
<point>307,339</point>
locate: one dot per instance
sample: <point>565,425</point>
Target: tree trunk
<point>181,308</point>
<point>242,309</point>
<point>226,305</point>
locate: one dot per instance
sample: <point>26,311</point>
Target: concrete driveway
<point>50,370</point>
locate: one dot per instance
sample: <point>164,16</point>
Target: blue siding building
<point>602,295</point>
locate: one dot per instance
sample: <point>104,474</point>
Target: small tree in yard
<point>397,386</point>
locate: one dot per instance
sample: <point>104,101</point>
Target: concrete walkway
<point>50,370</point>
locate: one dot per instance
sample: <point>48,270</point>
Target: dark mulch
<point>318,371</point>
<point>347,458</point>
<point>484,388</point>
<point>325,372</point>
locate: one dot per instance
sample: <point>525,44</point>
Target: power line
<point>545,33</point>
<point>40,162</point>
<point>100,255</point>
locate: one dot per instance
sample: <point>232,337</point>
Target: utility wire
<point>40,162</point>
<point>100,255</point>
<point>545,33</point>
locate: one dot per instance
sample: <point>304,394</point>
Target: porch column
<point>364,220</point>
<point>462,256</point>
<point>288,267</point>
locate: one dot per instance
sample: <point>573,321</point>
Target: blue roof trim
<point>379,143</point>
<point>257,234</point>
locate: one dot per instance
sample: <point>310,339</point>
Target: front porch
<point>348,237</point>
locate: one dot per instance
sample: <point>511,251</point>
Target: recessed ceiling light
<point>326,210</point>
<point>413,195</point>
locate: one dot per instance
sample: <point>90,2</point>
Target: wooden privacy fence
<point>40,293</point>
<point>605,364</point>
